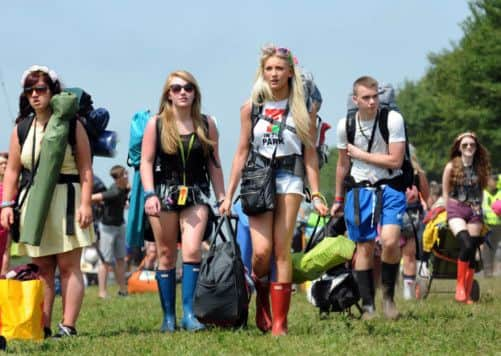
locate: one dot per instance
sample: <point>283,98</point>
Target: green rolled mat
<point>53,147</point>
<point>329,252</point>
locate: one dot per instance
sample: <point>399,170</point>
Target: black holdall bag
<point>221,294</point>
<point>257,186</point>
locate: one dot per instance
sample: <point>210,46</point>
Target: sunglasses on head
<point>40,89</point>
<point>466,144</point>
<point>176,88</point>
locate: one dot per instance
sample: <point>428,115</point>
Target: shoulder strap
<point>255,113</point>
<point>72,134</point>
<point>23,127</point>
<point>351,126</point>
<point>383,124</point>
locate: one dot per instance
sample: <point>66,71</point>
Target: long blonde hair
<point>169,135</point>
<point>297,103</point>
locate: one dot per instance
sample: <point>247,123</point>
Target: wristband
<point>8,204</point>
<point>339,199</point>
<point>219,202</point>
<point>318,195</point>
<point>149,193</point>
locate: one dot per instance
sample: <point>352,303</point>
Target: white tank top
<point>266,133</point>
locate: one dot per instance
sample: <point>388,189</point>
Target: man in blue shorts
<point>368,171</point>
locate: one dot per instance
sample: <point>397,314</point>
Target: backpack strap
<point>383,124</point>
<point>23,127</point>
<point>255,115</point>
<point>351,126</point>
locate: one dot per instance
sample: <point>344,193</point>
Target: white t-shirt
<point>266,133</point>
<point>362,170</point>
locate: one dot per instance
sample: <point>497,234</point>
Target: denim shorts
<point>392,211</point>
<point>287,183</point>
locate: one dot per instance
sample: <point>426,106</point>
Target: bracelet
<point>339,199</point>
<point>149,193</point>
<point>8,204</point>
<point>219,202</point>
<point>318,195</point>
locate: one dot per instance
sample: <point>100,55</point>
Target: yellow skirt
<point>54,239</point>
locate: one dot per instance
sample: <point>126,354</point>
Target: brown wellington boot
<point>462,268</point>
<point>263,313</point>
<point>280,302</point>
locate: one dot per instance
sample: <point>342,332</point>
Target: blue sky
<point>122,51</point>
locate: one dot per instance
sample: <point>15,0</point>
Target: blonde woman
<point>278,95</point>
<point>179,160</point>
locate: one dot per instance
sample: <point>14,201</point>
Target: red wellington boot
<point>280,302</point>
<point>263,313</point>
<point>462,268</point>
<point>470,274</point>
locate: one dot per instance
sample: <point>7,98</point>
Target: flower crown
<point>36,68</point>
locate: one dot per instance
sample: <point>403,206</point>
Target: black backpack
<point>386,104</point>
<point>222,295</point>
<point>336,291</point>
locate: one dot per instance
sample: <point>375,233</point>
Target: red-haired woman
<point>464,178</point>
<point>57,248</point>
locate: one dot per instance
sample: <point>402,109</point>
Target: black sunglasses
<point>176,88</point>
<point>40,89</point>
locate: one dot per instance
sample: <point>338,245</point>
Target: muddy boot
<point>389,273</point>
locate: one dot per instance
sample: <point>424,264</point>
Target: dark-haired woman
<point>57,249</point>
<point>278,92</point>
<point>464,178</point>
<point>179,160</point>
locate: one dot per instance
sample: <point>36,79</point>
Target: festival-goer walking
<point>369,171</point>
<point>4,233</point>
<point>416,196</point>
<point>491,206</point>
<point>278,96</point>
<point>178,158</point>
<point>463,179</point>
<point>59,247</point>
<point>112,230</point>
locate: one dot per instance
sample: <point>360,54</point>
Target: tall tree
<point>461,90</point>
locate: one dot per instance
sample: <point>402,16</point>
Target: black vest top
<point>469,191</point>
<point>169,168</point>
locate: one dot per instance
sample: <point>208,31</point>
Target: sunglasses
<point>466,144</point>
<point>176,88</point>
<point>40,89</point>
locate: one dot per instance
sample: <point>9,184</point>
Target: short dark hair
<point>117,171</point>
<point>365,81</point>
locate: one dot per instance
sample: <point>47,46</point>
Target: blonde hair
<point>297,103</point>
<point>169,134</point>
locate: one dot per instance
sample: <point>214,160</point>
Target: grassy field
<point>129,326</point>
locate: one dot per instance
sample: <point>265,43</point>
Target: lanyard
<point>183,158</point>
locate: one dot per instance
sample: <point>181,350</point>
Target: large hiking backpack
<point>313,95</point>
<point>103,143</point>
<point>137,126</point>
<point>222,294</point>
<point>387,103</point>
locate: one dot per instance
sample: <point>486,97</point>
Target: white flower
<point>36,68</point>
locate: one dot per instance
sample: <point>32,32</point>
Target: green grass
<point>438,325</point>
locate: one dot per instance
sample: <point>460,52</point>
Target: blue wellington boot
<point>166,280</point>
<point>190,276</point>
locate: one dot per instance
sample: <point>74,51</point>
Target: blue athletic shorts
<point>392,212</point>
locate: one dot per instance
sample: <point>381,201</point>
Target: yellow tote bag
<point>21,304</point>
